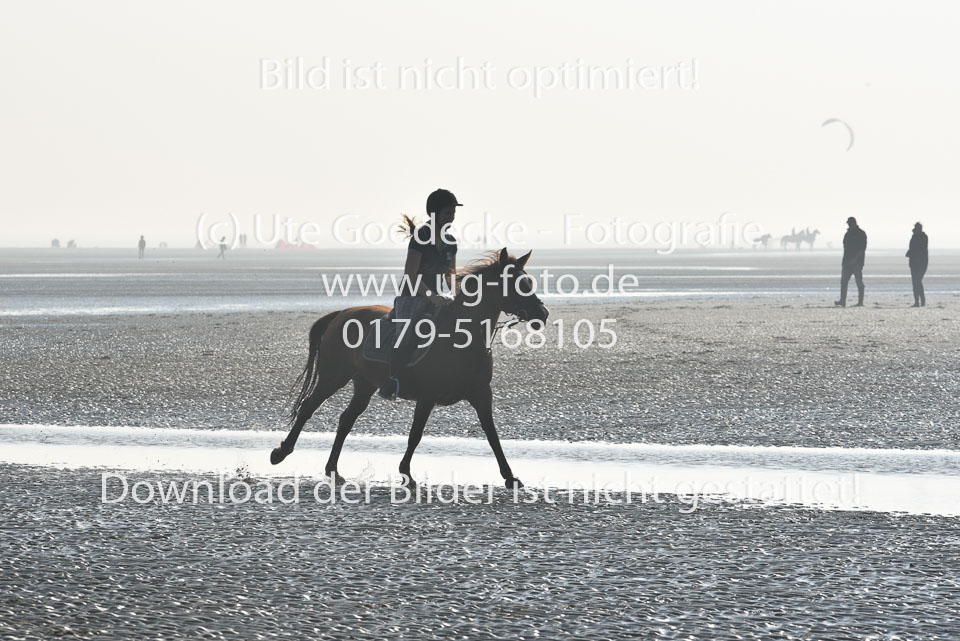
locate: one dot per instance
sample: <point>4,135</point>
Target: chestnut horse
<point>446,375</point>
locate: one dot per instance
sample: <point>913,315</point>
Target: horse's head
<point>503,275</point>
<point>520,290</point>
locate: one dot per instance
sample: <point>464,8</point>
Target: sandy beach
<point>711,383</point>
<point>754,372</point>
<point>76,568</point>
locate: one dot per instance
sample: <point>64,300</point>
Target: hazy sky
<point>119,119</point>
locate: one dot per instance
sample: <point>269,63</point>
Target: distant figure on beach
<point>762,241</point>
<point>55,243</point>
<point>854,251</point>
<point>142,246</point>
<point>223,247</point>
<point>918,263</point>
<point>798,238</point>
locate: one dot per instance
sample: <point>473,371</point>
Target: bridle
<point>510,322</point>
<point>513,318</point>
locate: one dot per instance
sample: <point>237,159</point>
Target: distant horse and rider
<point>798,238</point>
<point>762,241</point>
<point>449,372</point>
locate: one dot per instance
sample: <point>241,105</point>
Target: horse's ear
<point>522,261</point>
<point>504,256</point>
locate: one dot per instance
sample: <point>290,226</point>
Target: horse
<point>762,240</point>
<point>453,370</point>
<point>811,237</point>
<point>799,238</point>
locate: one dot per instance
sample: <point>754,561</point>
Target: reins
<point>510,322</point>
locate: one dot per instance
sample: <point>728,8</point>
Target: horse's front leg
<point>420,416</point>
<point>482,402</point>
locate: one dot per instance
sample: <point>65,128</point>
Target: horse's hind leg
<point>362,391</point>
<point>326,387</point>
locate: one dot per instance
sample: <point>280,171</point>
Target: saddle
<point>379,343</point>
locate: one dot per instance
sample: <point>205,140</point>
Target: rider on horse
<point>429,268</point>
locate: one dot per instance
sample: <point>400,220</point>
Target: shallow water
<point>101,282</point>
<point>882,480</point>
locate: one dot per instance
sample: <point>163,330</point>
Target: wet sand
<point>778,376</point>
<point>76,568</point>
<point>751,372</point>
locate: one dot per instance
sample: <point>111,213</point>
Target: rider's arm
<point>453,270</point>
<point>410,269</point>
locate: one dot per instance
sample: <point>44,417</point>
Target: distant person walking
<point>918,263</point>
<point>854,250</point>
<point>142,246</point>
<point>223,247</point>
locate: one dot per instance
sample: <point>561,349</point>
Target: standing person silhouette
<point>918,263</point>
<point>854,250</point>
<point>429,268</point>
<point>223,248</point>
<point>142,246</point>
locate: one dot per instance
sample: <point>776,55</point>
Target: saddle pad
<point>379,351</point>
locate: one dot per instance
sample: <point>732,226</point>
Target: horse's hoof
<point>513,483</point>
<point>406,480</point>
<point>277,455</point>
<point>334,476</point>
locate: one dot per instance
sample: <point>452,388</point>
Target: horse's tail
<point>311,372</point>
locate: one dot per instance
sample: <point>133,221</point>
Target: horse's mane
<point>488,264</point>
